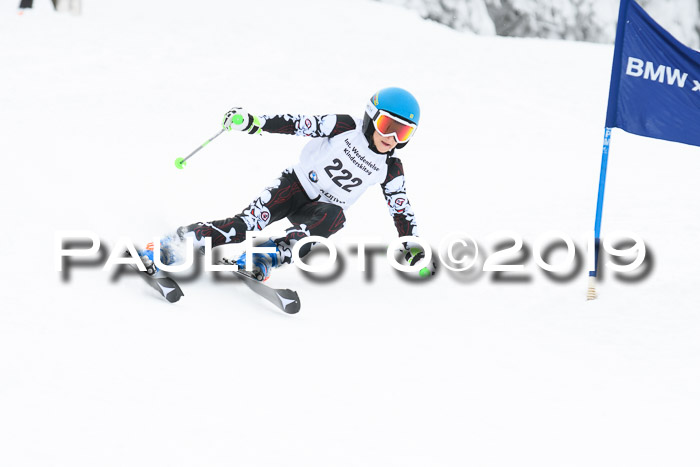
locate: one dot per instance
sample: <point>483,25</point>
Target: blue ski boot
<point>168,254</point>
<point>262,262</point>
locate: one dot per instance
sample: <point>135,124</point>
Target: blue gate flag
<point>655,83</point>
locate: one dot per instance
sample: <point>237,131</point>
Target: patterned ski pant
<point>284,198</point>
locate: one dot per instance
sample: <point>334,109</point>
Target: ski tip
<point>289,301</point>
<point>174,296</point>
<point>169,289</point>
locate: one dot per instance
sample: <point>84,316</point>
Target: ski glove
<point>414,255</point>
<point>240,120</point>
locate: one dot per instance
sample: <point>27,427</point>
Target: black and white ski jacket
<point>338,165</point>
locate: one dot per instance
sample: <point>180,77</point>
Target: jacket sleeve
<point>394,189</point>
<point>316,126</point>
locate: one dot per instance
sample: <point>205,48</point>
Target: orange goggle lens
<point>387,125</point>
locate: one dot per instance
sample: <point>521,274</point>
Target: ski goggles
<point>390,125</point>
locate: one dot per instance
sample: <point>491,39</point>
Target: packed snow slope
<point>464,369</point>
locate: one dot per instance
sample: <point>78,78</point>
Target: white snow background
<point>460,370</point>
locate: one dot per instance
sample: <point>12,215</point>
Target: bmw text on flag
<point>664,74</point>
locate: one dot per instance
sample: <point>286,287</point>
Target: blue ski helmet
<point>397,102</point>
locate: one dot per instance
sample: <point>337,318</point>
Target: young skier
<point>345,157</point>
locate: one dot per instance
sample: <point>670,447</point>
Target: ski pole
<point>180,161</point>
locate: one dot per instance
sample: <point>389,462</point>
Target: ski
<point>166,286</point>
<point>284,299</point>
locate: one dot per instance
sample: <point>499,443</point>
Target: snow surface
<point>374,371</point>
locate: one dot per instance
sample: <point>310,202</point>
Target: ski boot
<point>168,254</point>
<point>262,262</point>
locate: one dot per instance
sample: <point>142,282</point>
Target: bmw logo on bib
<point>313,176</point>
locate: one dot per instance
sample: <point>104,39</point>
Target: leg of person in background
<point>75,7</point>
<point>68,6</point>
